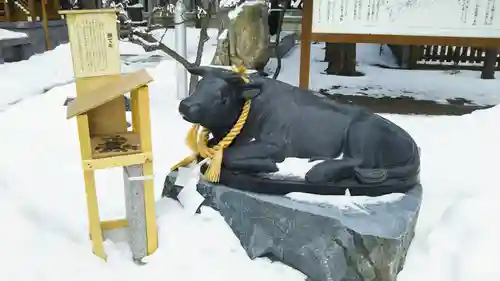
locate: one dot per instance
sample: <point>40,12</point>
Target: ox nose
<point>189,111</point>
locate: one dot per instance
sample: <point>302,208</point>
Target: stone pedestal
<point>58,34</point>
<point>325,242</point>
<point>15,49</point>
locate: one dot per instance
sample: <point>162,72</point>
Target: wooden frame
<point>307,36</point>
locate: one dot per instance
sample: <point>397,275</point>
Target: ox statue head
<point>218,97</point>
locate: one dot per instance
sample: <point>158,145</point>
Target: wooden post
<point>45,24</point>
<point>90,189</point>
<point>305,44</point>
<point>32,9</point>
<point>55,6</point>
<point>490,62</point>
<point>8,16</point>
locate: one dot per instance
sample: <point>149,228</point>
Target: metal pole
<point>181,48</point>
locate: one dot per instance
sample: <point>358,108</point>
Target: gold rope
<point>198,141</point>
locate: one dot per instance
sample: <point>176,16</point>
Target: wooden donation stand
<point>105,141</point>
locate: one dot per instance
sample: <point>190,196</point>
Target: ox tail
<point>410,169</point>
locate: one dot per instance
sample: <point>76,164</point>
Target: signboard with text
<point>445,18</point>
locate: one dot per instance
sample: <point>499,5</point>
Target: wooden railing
<point>442,57</point>
<point>437,56</point>
<point>28,10</point>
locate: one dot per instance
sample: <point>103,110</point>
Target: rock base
<point>325,242</point>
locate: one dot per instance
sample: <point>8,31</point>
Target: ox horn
<point>198,70</point>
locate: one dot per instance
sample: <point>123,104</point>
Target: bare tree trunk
<point>341,59</point>
<point>489,64</point>
<point>149,43</point>
<point>88,4</point>
<point>329,52</point>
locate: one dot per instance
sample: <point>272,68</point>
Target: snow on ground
<point>434,85</point>
<point>41,72</point>
<point>43,208</point>
<point>7,34</point>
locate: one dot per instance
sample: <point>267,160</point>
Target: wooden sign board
<point>94,43</point>
<point>444,18</point>
<point>401,22</point>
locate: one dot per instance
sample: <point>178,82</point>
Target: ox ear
<point>251,89</point>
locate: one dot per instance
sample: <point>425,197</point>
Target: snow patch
<point>345,202</point>
<point>7,34</point>
<point>238,9</point>
<point>228,3</point>
<point>223,34</point>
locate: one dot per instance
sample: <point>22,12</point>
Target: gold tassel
<point>186,161</point>
<point>192,138</point>
<point>212,174</point>
<point>197,141</point>
<point>192,143</point>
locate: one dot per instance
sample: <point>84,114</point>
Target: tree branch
<point>149,43</point>
<point>154,44</point>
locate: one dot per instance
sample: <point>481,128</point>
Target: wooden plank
<point>106,91</point>
<point>90,188</point>
<point>463,54</point>
<point>45,24</point>
<point>134,104</point>
<point>88,11</point>
<point>32,10</point>
<point>93,215</point>
<point>113,224</point>
<point>94,44</point>
<point>54,8</point>
<point>84,136</point>
<point>8,12</point>
<point>404,40</point>
<point>117,161</point>
<point>305,44</point>
<point>108,118</point>
<point>142,97</point>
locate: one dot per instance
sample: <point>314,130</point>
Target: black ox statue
<point>360,149</point>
